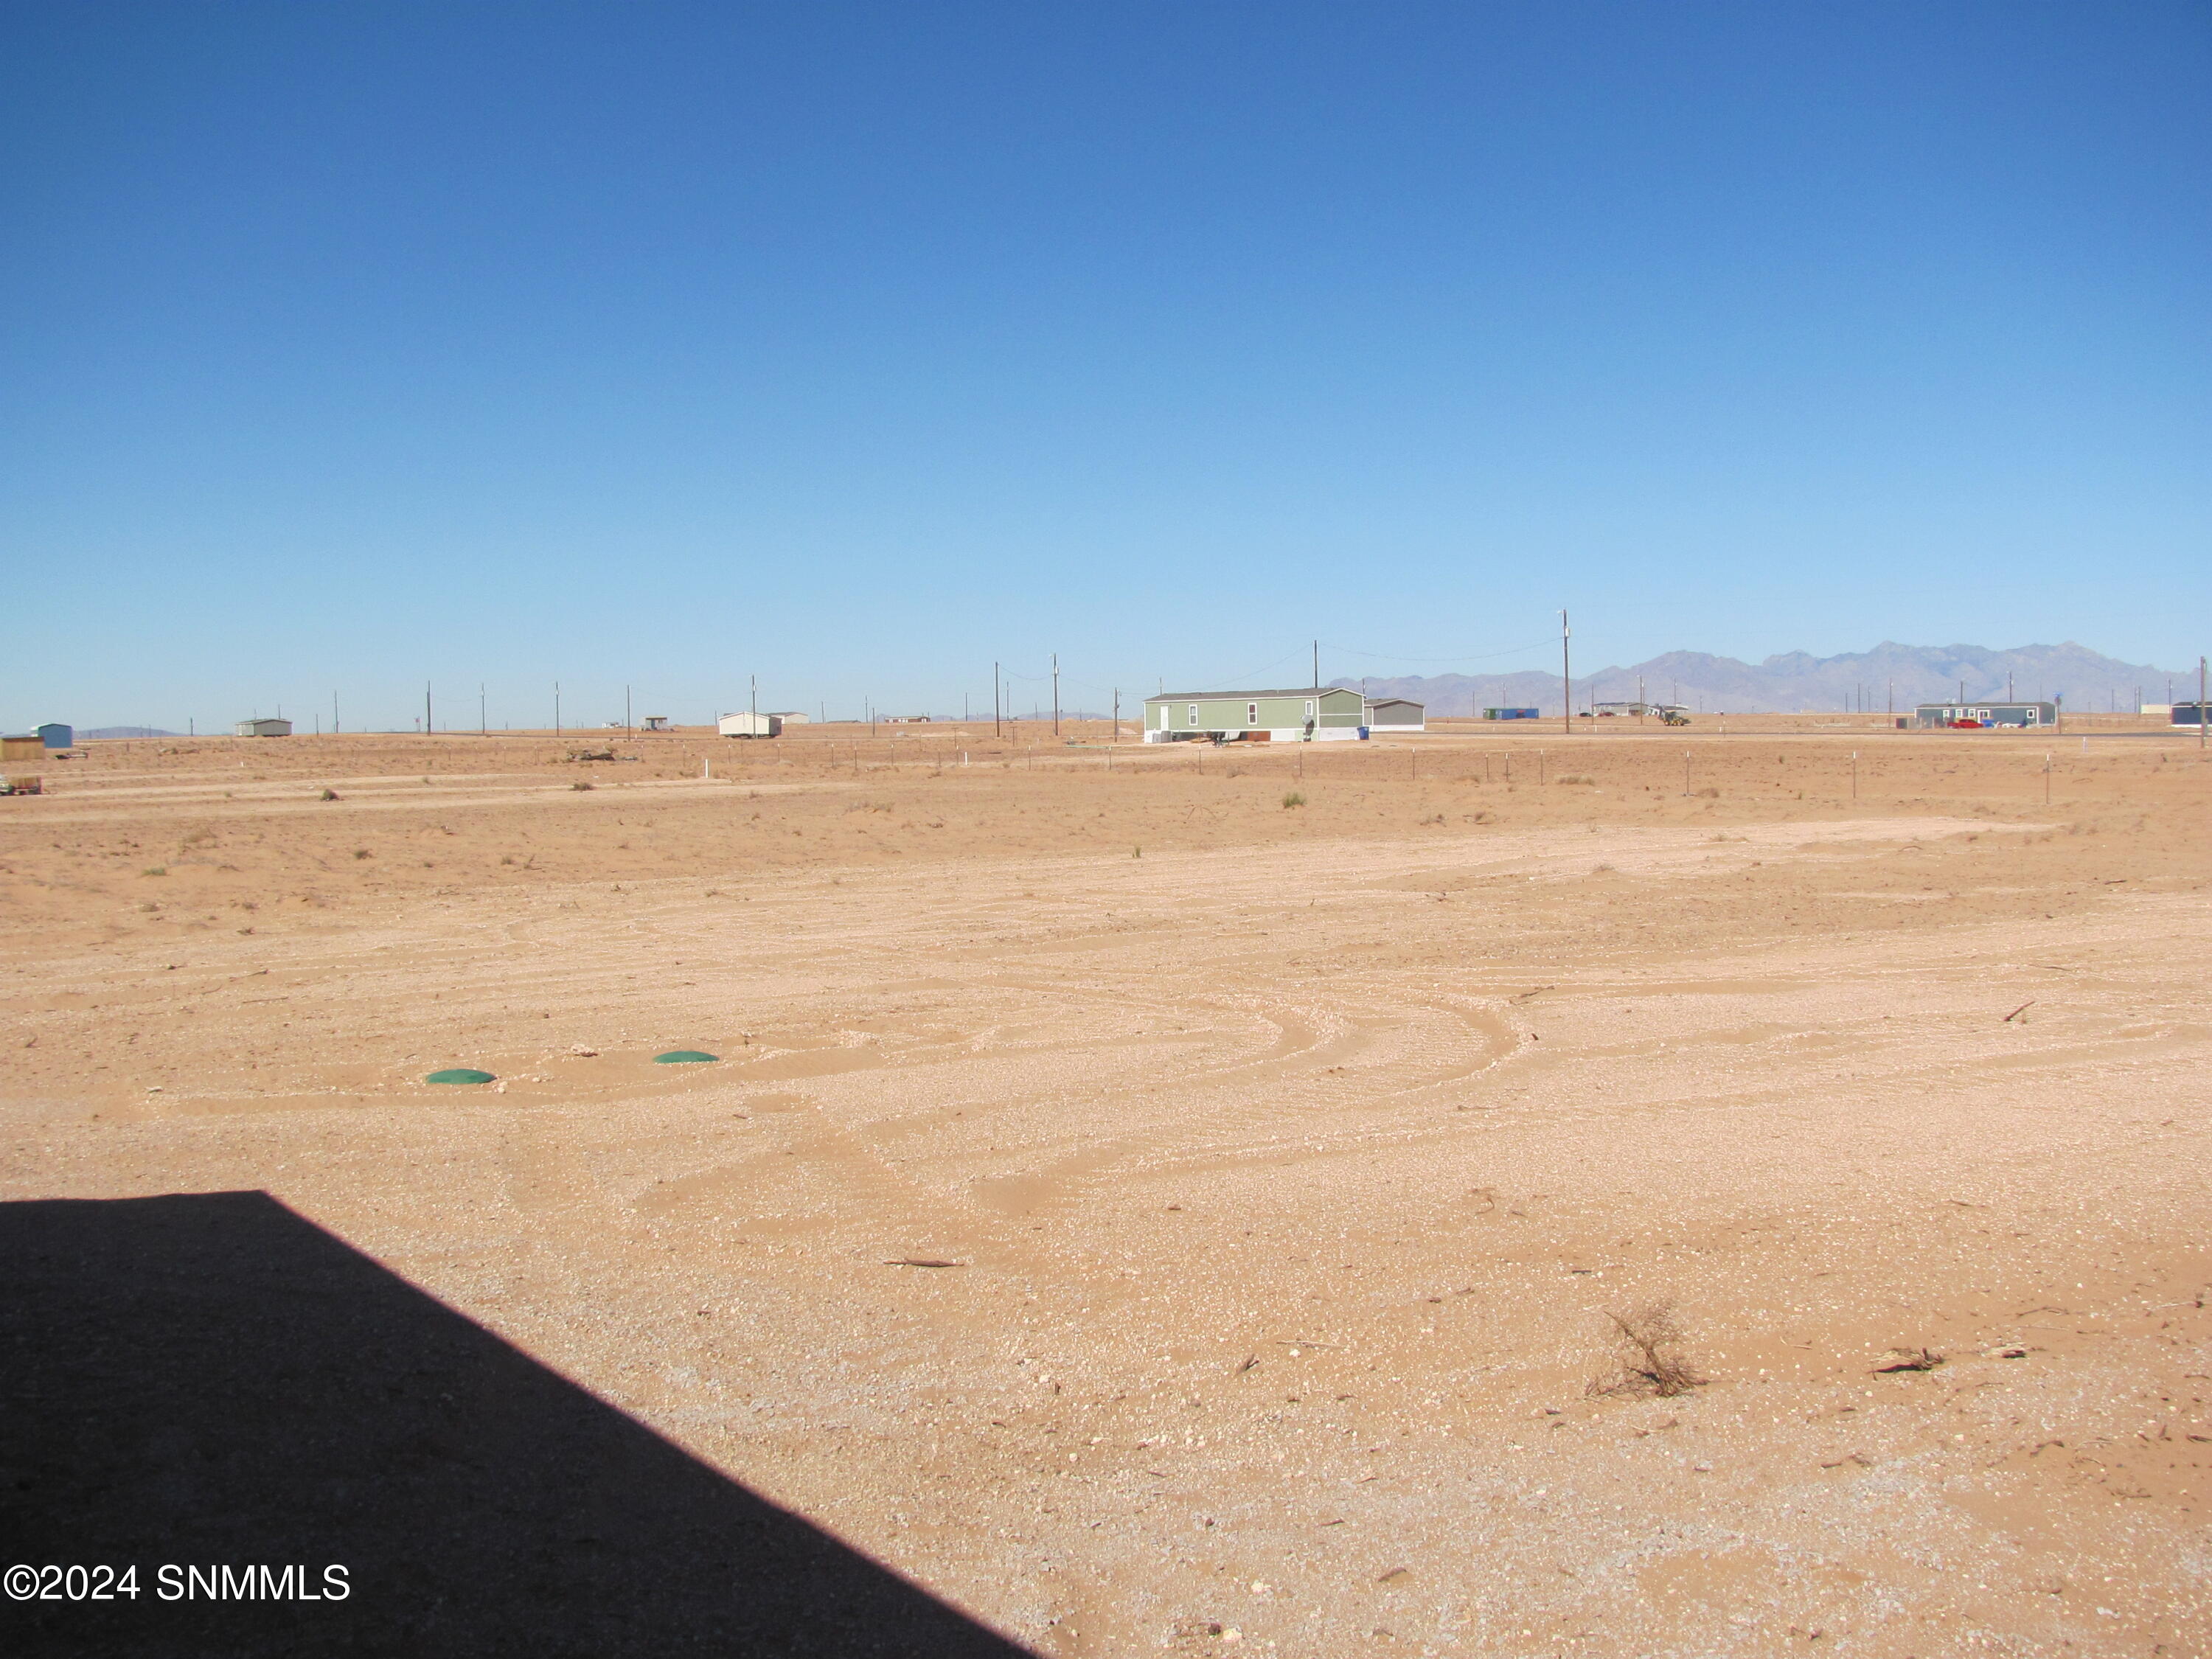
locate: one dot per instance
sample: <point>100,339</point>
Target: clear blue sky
<point>349,346</point>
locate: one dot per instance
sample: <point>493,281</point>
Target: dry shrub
<point>1294,798</point>
<point>1655,1365</point>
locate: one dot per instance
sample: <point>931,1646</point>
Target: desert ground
<point>1289,1123</point>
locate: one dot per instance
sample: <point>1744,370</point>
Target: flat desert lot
<point>1285,1163</point>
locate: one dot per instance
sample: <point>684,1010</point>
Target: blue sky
<point>349,347</point>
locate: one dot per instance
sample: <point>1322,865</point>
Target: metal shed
<point>262,728</point>
<point>1319,714</point>
<point>1397,714</point>
<point>54,735</point>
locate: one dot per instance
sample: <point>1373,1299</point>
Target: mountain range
<point>1891,676</point>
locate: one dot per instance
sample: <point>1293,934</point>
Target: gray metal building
<point>1397,714</point>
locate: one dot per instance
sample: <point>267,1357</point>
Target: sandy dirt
<point>1291,1156</point>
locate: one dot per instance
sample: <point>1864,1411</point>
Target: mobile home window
<point>1310,707</point>
<point>1251,713</point>
<point>1193,713</point>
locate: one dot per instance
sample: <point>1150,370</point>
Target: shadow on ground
<point>210,1379</point>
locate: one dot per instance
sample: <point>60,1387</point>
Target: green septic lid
<point>459,1075</point>
<point>684,1057</point>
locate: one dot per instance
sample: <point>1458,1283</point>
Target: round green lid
<point>459,1075</point>
<point>684,1057</point>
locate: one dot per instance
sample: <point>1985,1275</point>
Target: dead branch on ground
<point>1655,1365</point>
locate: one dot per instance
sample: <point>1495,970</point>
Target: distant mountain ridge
<point>1795,682</point>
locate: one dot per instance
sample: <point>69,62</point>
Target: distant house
<point>792,716</point>
<point>1985,713</point>
<point>1397,714</point>
<point>1632,709</point>
<point>656,722</point>
<point>262,728</point>
<point>1324,713</point>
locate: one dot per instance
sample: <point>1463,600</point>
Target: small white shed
<point>262,728</point>
<point>745,724</point>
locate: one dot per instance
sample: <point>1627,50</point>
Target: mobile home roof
<point>1232,696</point>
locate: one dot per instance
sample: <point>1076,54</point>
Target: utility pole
<point>628,726</point>
<point>556,708</point>
<point>994,700</point>
<point>1117,713</point>
<point>1316,667</point>
<point>427,728</point>
<point>1055,694</point>
<point>483,725</point>
<point>753,703</point>
<point>1567,676</point>
<point>334,713</point>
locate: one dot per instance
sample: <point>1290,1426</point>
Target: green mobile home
<point>1315,714</point>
